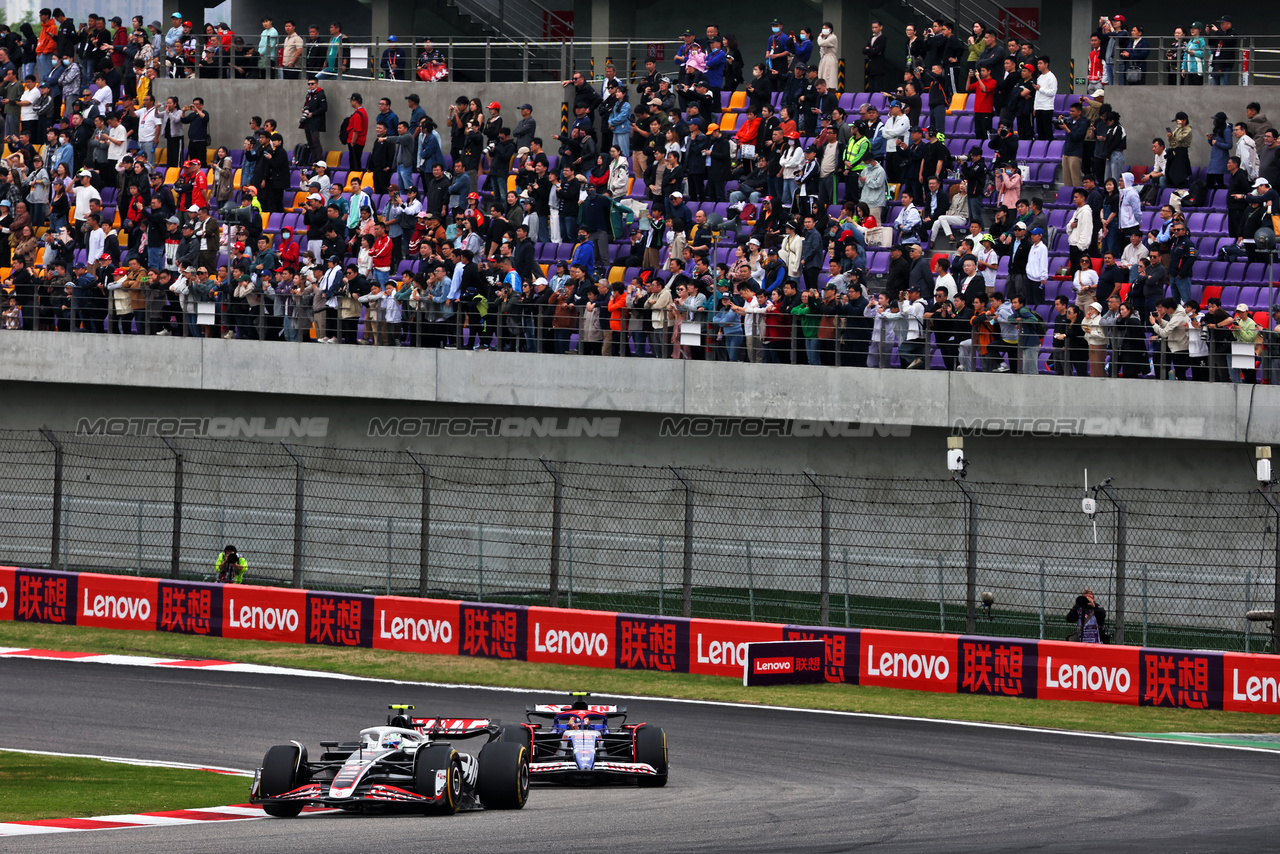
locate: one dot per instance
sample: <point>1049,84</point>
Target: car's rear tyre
<point>651,749</point>
<point>503,775</point>
<point>431,760</point>
<point>282,772</point>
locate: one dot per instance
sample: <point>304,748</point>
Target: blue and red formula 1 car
<point>587,743</point>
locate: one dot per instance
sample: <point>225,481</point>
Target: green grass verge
<point>34,787</point>
<point>1095,717</point>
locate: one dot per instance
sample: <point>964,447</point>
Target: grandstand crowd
<point>731,204</point>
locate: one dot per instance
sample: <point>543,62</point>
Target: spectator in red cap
<point>193,187</point>
<point>493,125</point>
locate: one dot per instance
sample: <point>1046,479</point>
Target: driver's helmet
<point>569,720</point>
<point>392,740</point>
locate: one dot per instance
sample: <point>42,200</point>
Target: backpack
<point>1197,195</point>
<point>299,160</point>
<point>1035,325</point>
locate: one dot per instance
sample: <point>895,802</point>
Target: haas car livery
<point>410,764</point>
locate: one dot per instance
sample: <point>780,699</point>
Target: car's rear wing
<point>550,710</point>
<point>454,727</point>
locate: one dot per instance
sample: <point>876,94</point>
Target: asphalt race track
<point>741,779</point>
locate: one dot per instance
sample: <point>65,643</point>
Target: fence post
<point>176,546</point>
<point>55,538</point>
<point>1122,535</point>
<point>971,557</point>
<point>297,514</point>
<point>1268,495</point>
<point>824,568</point>
<point>424,526</point>
<point>687,584</point>
<point>557,495</point>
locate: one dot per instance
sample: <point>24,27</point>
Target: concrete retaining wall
<point>1145,112</point>
<point>937,400</point>
<point>231,102</point>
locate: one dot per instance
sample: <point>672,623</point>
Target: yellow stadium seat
<point>39,257</point>
<point>546,269</point>
<point>738,100</point>
<point>511,183</point>
<point>728,121</point>
<point>366,180</point>
<point>300,200</point>
<point>171,175</point>
<point>616,274</point>
<point>333,158</point>
<point>235,179</point>
<point>959,101</point>
<point>266,217</point>
<point>209,154</point>
<point>631,182</point>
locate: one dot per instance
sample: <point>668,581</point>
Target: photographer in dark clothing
<point>1089,618</point>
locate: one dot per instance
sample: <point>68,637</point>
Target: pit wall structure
<point>942,663</point>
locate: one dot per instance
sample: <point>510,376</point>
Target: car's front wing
<point>603,768</point>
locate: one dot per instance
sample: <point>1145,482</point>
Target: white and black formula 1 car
<point>585,743</point>
<point>409,765</point>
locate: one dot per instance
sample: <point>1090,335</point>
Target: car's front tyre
<point>427,765</point>
<point>651,749</point>
<point>282,772</point>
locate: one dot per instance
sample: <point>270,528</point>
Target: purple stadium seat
<point>964,126</point>
<point>1218,271</point>
<point>878,262</point>
<point>1215,223</point>
<point>237,157</point>
<point>846,101</point>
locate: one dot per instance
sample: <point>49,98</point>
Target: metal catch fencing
<point>1176,568</point>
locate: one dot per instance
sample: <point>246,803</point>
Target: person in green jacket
<point>230,567</point>
<point>809,321</point>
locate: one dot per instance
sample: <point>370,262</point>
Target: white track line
<point>122,760</point>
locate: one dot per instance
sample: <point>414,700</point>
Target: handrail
<point>517,16</point>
